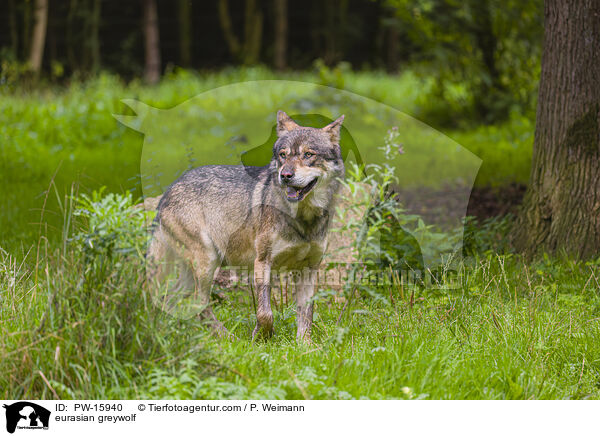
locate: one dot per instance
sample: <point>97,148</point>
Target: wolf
<point>263,218</point>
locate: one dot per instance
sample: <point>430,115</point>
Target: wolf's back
<point>217,203</point>
<point>214,186</point>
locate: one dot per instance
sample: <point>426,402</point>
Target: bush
<point>111,228</point>
<point>387,239</point>
<point>97,323</point>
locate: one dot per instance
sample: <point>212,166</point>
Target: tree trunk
<point>392,47</point>
<point>39,35</point>
<point>253,32</point>
<point>489,100</point>
<point>249,52</point>
<point>26,47</point>
<point>95,19</point>
<point>330,31</point>
<point>185,33</point>
<point>14,32</point>
<point>151,37</point>
<point>281,26</point>
<point>485,38</point>
<point>72,58</point>
<point>227,27</point>
<point>561,210</point>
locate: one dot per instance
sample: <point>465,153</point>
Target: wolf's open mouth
<point>296,194</point>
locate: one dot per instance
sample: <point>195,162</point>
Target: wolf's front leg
<point>264,314</point>
<point>304,304</point>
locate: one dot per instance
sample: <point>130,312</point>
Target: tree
<point>561,210</point>
<point>39,35</point>
<point>94,38</point>
<point>185,33</point>
<point>281,25</point>
<point>489,47</point>
<point>248,51</point>
<point>151,40</point>
<point>12,24</point>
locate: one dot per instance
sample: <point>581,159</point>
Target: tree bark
<point>253,32</point>
<point>561,211</point>
<point>392,48</point>
<point>36,53</point>
<point>248,52</point>
<point>151,36</point>
<point>12,24</point>
<point>281,28</point>
<point>185,33</point>
<point>26,47</point>
<point>95,19</point>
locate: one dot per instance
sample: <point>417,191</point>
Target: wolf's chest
<point>295,255</point>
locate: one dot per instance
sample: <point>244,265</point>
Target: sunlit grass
<point>508,331</point>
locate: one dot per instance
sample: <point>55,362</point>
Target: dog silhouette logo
<point>26,415</point>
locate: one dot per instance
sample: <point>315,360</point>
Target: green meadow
<point>77,323</point>
<point>57,139</point>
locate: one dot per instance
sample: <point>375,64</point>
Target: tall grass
<point>81,325</point>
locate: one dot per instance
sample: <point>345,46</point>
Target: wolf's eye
<point>308,155</point>
<point>282,154</point>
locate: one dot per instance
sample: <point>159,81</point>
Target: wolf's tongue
<point>292,192</point>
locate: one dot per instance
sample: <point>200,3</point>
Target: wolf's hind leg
<point>155,253</point>
<point>168,276</point>
<point>204,263</point>
<point>159,264</point>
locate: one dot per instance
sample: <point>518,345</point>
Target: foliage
<point>505,150</point>
<point>80,322</point>
<point>488,237</point>
<point>484,54</point>
<point>386,238</point>
<point>111,226</point>
<point>331,76</point>
<point>506,330</point>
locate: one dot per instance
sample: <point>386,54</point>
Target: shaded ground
<point>489,202</point>
<point>484,202</point>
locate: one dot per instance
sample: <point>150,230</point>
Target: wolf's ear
<point>285,123</point>
<point>333,130</point>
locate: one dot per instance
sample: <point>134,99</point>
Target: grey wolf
<point>263,218</point>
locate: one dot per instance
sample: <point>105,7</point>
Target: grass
<point>510,331</point>
<point>79,324</point>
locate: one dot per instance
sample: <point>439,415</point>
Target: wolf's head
<point>306,159</point>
